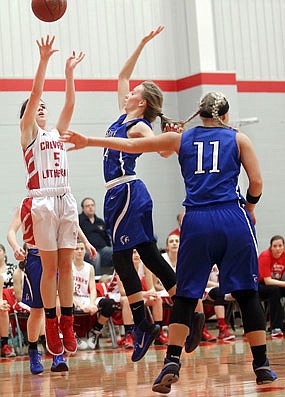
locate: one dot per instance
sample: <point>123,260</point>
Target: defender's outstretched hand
<point>78,140</point>
<point>152,34</point>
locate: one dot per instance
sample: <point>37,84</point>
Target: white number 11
<point>215,156</point>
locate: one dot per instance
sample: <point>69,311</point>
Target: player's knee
<point>107,307</point>
<point>182,310</point>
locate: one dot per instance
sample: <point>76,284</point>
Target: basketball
<point>49,10</point>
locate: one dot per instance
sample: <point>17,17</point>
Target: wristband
<point>252,199</point>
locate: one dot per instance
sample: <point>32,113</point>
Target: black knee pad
<point>251,310</point>
<point>153,260</point>
<point>107,307</point>
<point>216,296</point>
<point>182,310</point>
<point>123,264</point>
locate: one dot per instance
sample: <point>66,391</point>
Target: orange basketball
<point>49,10</point>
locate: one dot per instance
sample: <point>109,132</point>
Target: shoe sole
<point>165,385</point>
<point>265,382</point>
<point>227,338</point>
<point>62,367</point>
<point>70,351</point>
<point>151,339</point>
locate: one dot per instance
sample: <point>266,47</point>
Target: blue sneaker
<point>264,374</point>
<point>59,364</point>
<point>168,375</point>
<point>36,366</point>
<point>196,331</point>
<point>143,339</point>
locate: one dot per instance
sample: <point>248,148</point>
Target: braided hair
<point>212,106</point>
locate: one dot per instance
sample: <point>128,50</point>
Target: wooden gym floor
<point>221,369</point>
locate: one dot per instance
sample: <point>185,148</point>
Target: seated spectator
<point>117,292</point>
<point>198,323</point>
<point>170,255</point>
<point>7,269</point>
<point>151,297</point>
<point>271,287</point>
<point>6,350</point>
<point>95,231</point>
<point>85,298</point>
<point>213,293</point>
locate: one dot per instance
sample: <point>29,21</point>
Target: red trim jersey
<point>46,161</point>
<point>269,266</point>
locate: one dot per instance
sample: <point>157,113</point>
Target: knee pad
<point>182,310</point>
<point>107,307</point>
<point>251,309</point>
<point>123,264</point>
<point>153,260</point>
<point>216,296</point>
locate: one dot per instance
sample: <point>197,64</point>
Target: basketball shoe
<point>224,333</point>
<point>276,333</point>
<point>129,341</point>
<point>59,364</point>
<point>196,330</point>
<point>53,341</point>
<point>7,352</point>
<point>168,375</point>
<point>264,374</point>
<point>81,344</point>
<point>161,339</point>
<point>36,366</point>
<point>69,340</point>
<point>143,339</point>
<point>93,339</point>
<point>207,336</point>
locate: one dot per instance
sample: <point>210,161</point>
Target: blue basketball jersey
<point>117,163</point>
<point>210,165</point>
<point>216,228</point>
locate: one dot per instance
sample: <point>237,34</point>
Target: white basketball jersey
<point>81,280</point>
<point>46,161</point>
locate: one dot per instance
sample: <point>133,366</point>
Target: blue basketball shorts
<point>221,234</point>
<point>32,280</point>
<point>128,215</point>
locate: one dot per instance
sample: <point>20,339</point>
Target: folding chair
<point>18,319</point>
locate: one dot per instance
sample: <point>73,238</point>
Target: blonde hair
<point>212,105</point>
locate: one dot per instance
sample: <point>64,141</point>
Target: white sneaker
<point>93,339</point>
<point>276,332</point>
<point>81,344</point>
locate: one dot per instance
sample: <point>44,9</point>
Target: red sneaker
<point>128,342</point>
<point>7,352</point>
<point>224,334</point>
<point>161,339</point>
<point>69,340</point>
<point>207,337</point>
<point>53,341</point>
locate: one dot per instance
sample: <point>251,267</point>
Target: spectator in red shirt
<point>179,221</point>
<point>271,266</point>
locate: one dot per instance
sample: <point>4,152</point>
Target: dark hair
<point>86,198</point>
<point>22,264</point>
<point>23,107</point>
<point>277,237</point>
<point>4,250</point>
